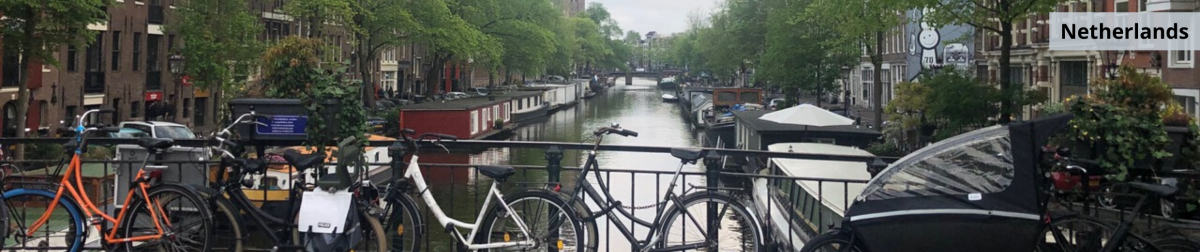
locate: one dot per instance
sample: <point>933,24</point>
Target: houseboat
<point>270,189</point>
<point>669,98</point>
<point>469,118</point>
<point>720,125</point>
<point>798,210</point>
<point>529,104</point>
<point>754,133</point>
<point>560,96</point>
<point>669,82</point>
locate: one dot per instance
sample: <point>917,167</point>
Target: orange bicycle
<point>154,215</point>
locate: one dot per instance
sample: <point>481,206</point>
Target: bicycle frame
<point>263,219</point>
<point>414,173</point>
<point>608,204</point>
<point>93,213</point>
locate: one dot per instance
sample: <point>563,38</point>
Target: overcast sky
<point>663,16</point>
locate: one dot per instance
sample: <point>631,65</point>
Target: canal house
<point>801,209</point>
<point>469,118</point>
<point>754,133</point>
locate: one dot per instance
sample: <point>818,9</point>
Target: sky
<point>663,16</point>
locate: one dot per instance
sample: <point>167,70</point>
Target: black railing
<point>789,213</point>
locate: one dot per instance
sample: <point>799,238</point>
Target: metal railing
<point>786,212</point>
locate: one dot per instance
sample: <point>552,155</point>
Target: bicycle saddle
<point>250,165</point>
<point>303,161</point>
<point>1161,190</point>
<point>497,172</point>
<point>155,143</point>
<point>687,155</point>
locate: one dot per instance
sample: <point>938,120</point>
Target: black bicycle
<point>699,218</point>
<point>283,231</point>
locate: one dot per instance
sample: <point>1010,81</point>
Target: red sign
<point>187,80</point>
<point>154,95</point>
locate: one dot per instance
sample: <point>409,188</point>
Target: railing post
<point>712,179</point>
<point>554,156</point>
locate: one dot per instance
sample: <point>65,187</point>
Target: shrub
<point>1121,119</point>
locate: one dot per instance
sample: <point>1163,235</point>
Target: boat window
<point>750,97</point>
<point>726,97</point>
<point>979,165</point>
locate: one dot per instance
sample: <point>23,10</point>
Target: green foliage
<point>45,152</point>
<point>946,104</point>
<point>1122,118</point>
<point>813,68</point>
<point>886,148</point>
<point>340,12</point>
<point>290,70</point>
<point>221,41</point>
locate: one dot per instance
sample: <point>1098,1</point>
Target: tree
<point>447,37</point>
<point>219,42</point>
<point>525,30</point>
<point>35,29</point>
<point>862,22</point>
<point>813,68</point>
<point>336,12</point>
<point>995,16</point>
<point>382,25</point>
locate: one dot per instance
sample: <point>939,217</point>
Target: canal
<point>637,107</point>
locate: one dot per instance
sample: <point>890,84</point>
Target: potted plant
<point>499,123</point>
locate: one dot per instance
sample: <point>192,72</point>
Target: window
<point>1181,59</point>
<point>11,68</point>
<point>95,60</point>
<point>749,97</point>
<point>1072,78</point>
<point>1017,75</point>
<point>186,110</point>
<point>1121,6</point>
<point>10,120</point>
<point>72,59</point>
<point>1141,5</point>
<point>134,108</point>
<point>174,132</point>
<point>474,121</point>
<point>170,43</point>
<point>726,97</point>
<point>116,51</point>
<point>153,66</point>
<point>201,105</point>
<point>137,51</point>
<point>1188,103</point>
<point>973,163</point>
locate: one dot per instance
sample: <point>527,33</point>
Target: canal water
<point>638,107</point>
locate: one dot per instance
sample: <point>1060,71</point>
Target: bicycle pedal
<point>96,220</point>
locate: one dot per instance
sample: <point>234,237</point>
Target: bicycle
<point>151,217</point>
<point>704,231</point>
<point>1075,232</point>
<point>283,232</point>
<point>533,218</point>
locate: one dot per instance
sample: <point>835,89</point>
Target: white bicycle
<point>532,219</point>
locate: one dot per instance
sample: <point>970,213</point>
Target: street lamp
<point>1110,64</point>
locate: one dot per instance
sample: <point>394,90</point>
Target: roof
<point>520,94</point>
<point>832,193</point>
<point>460,104</point>
<point>751,119</point>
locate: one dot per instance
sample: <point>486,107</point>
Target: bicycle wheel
<point>1176,244</point>
<point>831,242</point>
<point>187,224</point>
<point>730,227</point>
<point>227,220</point>
<point>404,228</point>
<point>373,237</point>
<point>551,225</point>
<point>1076,233</point>
<point>63,231</point>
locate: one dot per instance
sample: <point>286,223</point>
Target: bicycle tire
<point>592,234</point>
<point>373,232</point>
<point>836,238</point>
<point>227,220</point>
<point>744,215</point>
<point>559,212</point>
<point>1095,236</point>
<point>76,229</point>
<point>405,227</point>
<point>1176,244</point>
<point>195,207</point>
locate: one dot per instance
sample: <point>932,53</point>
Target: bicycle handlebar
<point>612,130</point>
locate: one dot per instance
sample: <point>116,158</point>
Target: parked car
<point>157,129</point>
<point>482,91</point>
<point>456,95</point>
<point>641,69</point>
<point>129,133</point>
